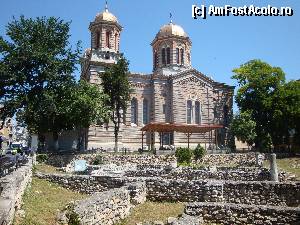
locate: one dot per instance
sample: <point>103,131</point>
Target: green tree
<point>38,56</point>
<point>286,114</point>
<point>36,69</point>
<point>117,87</point>
<point>257,82</point>
<point>76,106</point>
<point>243,127</point>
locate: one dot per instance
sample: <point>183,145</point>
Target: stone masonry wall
<point>244,160</point>
<point>262,193</point>
<point>109,207</point>
<point>245,192</point>
<point>83,183</point>
<point>68,160</point>
<point>236,174</point>
<point>248,159</point>
<point>13,187</point>
<point>237,214</point>
<point>160,189</point>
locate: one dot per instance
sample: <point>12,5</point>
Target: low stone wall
<point>236,174</point>
<point>154,161</point>
<point>162,189</point>
<point>262,193</point>
<point>245,192</point>
<point>83,183</point>
<point>159,189</point>
<point>140,160</point>
<point>243,214</point>
<point>240,159</point>
<point>12,188</point>
<point>109,207</point>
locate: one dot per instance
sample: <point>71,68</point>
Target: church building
<point>174,93</point>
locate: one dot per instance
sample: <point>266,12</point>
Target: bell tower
<point>171,50</point>
<point>105,36</point>
<point>105,45</point>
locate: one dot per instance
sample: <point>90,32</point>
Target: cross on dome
<point>106,6</point>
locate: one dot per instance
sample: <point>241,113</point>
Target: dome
<point>106,16</point>
<point>171,30</point>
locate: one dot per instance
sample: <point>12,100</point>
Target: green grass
<point>42,202</point>
<point>291,165</point>
<point>153,211</point>
<point>44,168</point>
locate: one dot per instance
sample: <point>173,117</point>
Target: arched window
<point>97,40</point>
<point>182,56</point>
<point>134,111</point>
<point>177,55</point>
<point>168,56</point>
<point>145,111</point>
<point>225,116</point>
<point>163,56</point>
<point>116,42</point>
<point>107,39</point>
<point>155,60</point>
<point>197,113</point>
<point>189,112</point>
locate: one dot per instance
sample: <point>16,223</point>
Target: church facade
<point>174,92</point>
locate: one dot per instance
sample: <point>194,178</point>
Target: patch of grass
<point>291,165</point>
<point>42,202</point>
<point>153,211</point>
<point>44,168</point>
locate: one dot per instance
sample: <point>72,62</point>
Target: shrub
<point>184,155</point>
<point>98,160</point>
<point>42,158</point>
<point>199,152</point>
<point>73,218</point>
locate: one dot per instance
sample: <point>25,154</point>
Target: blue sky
<point>219,43</point>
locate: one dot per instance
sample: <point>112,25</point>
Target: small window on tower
<point>177,55</point>
<point>108,39</point>
<point>97,40</point>
<point>163,56</point>
<point>182,56</point>
<point>168,56</point>
<point>155,60</point>
<point>116,42</point>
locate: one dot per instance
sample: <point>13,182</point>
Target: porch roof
<point>182,128</point>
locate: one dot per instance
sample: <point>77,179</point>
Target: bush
<point>184,155</point>
<point>98,160</point>
<point>73,218</point>
<point>199,152</point>
<point>42,158</point>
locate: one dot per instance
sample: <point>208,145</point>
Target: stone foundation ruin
<point>223,195</point>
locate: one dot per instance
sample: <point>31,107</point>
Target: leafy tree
<point>37,57</point>
<point>257,82</point>
<point>117,87</point>
<point>286,114</point>
<point>74,107</point>
<point>36,68</point>
<point>243,127</point>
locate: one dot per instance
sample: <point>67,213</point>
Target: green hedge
<point>184,155</point>
<point>199,152</point>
